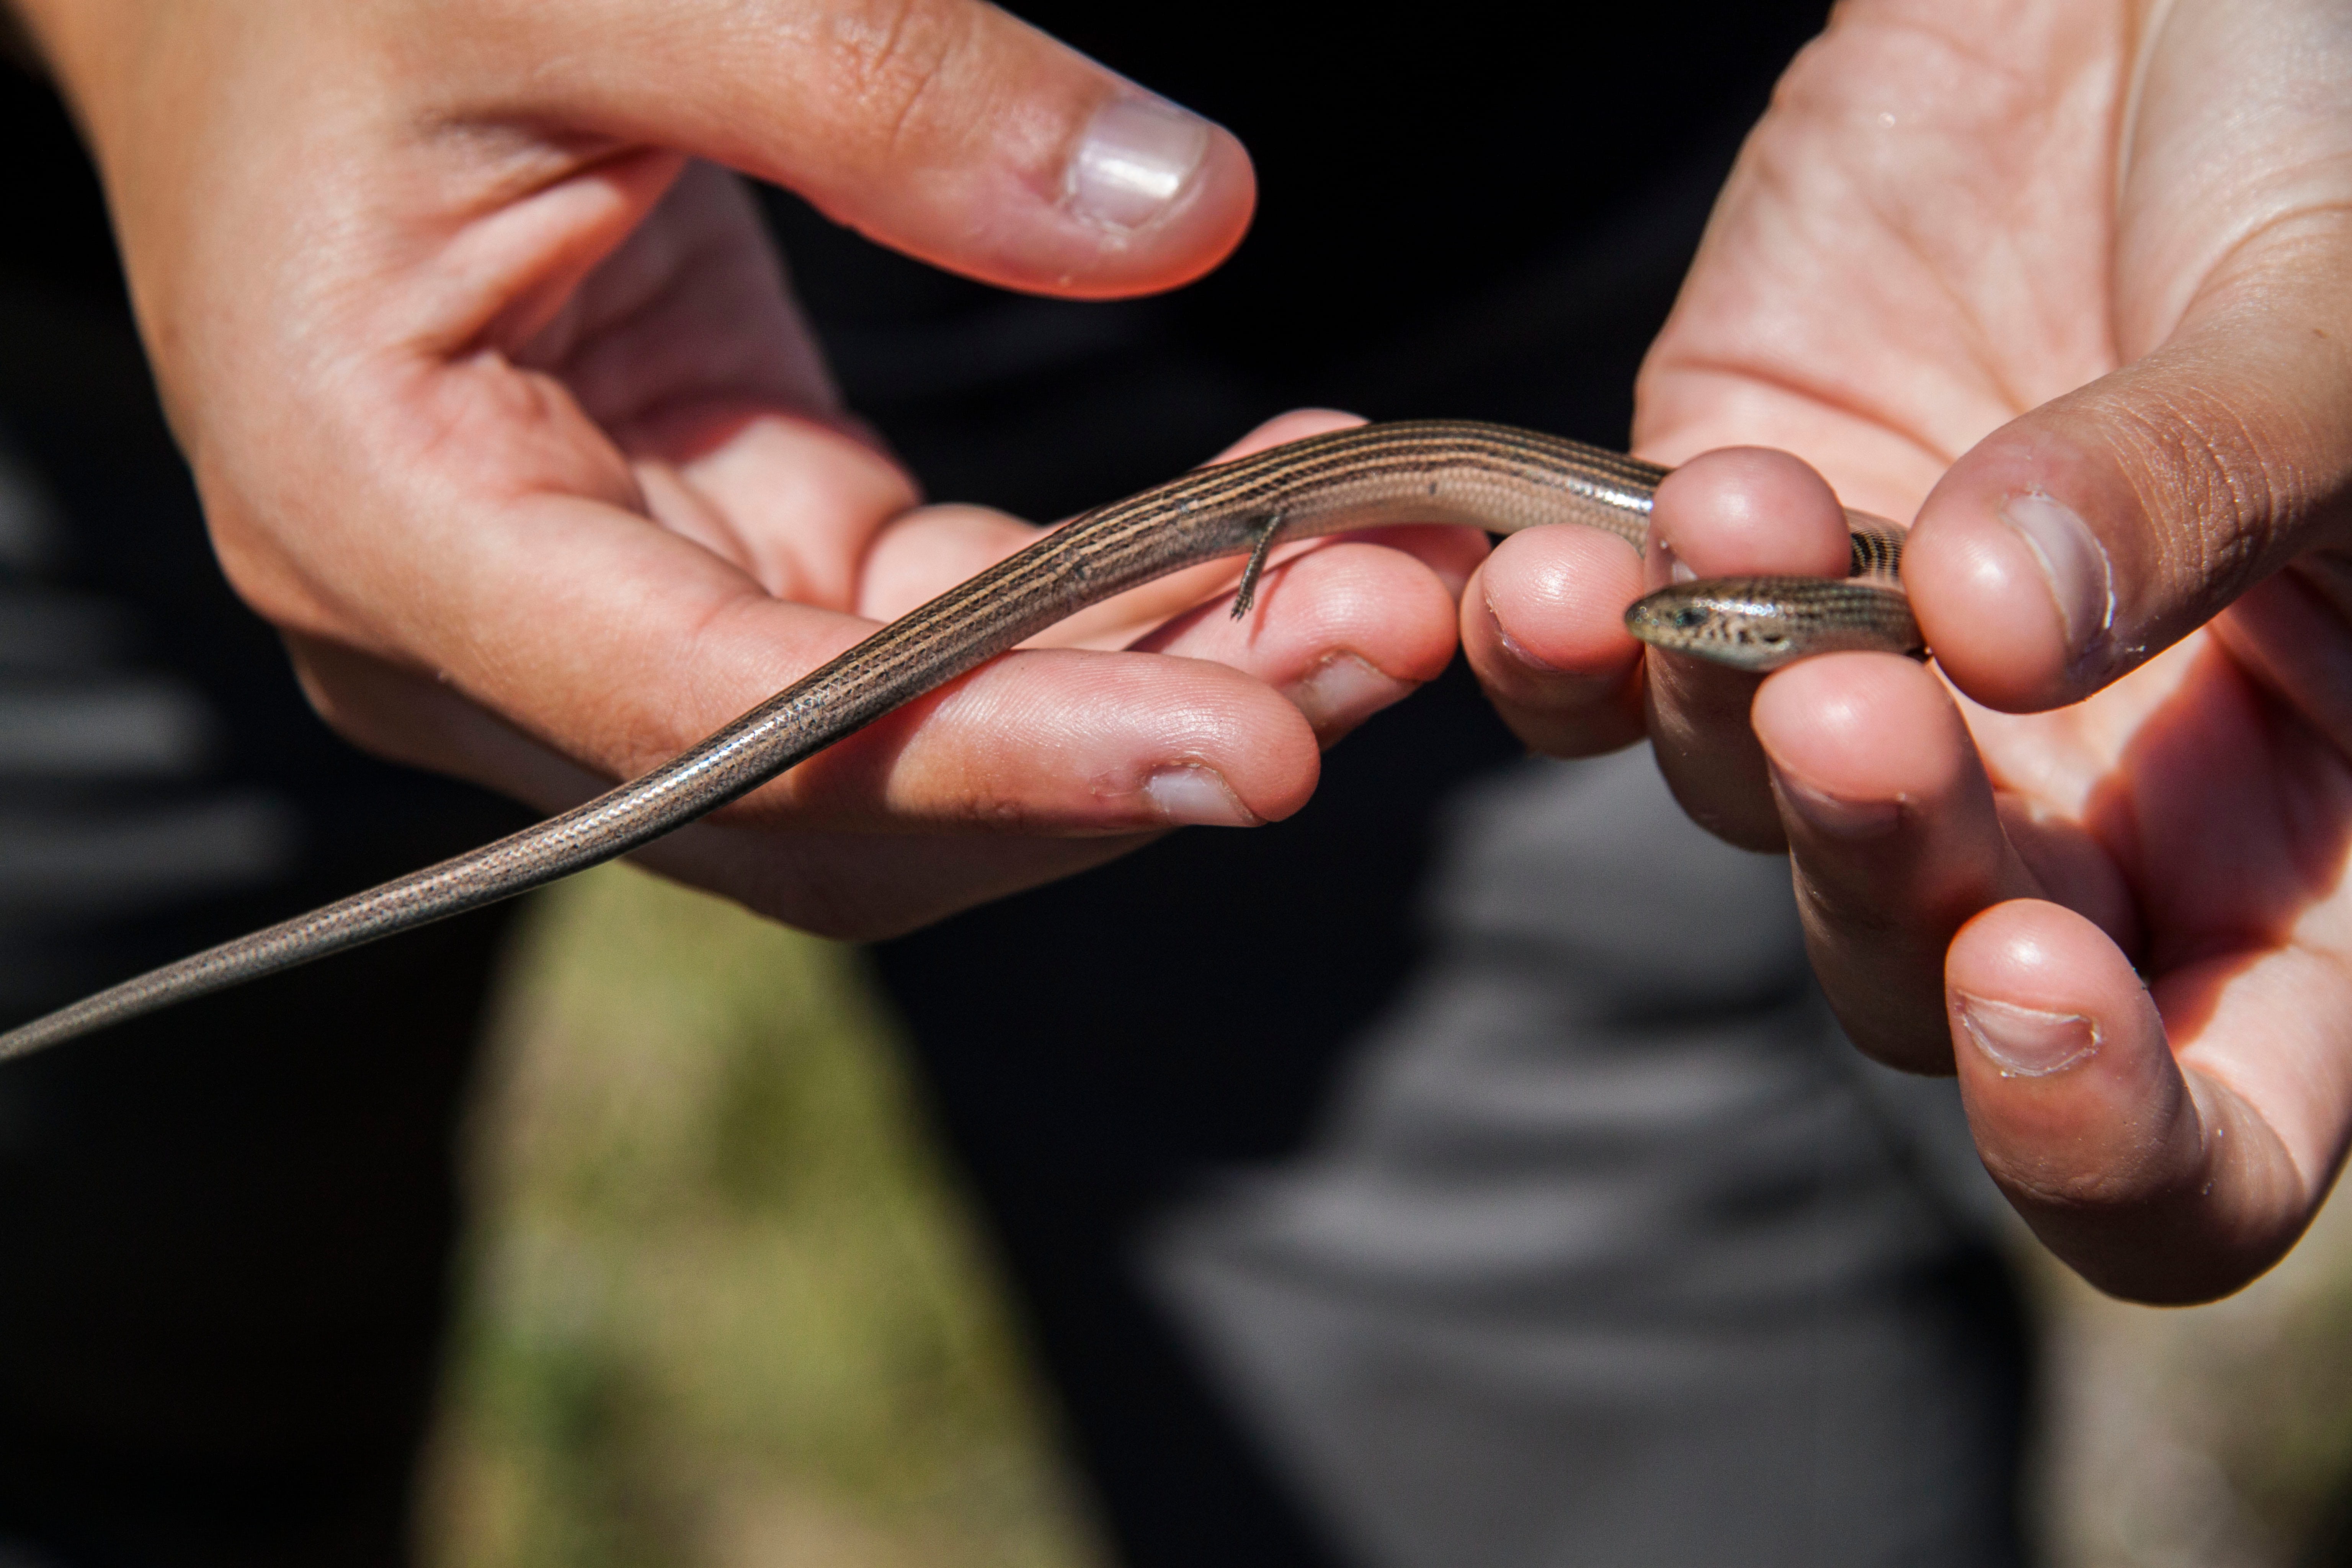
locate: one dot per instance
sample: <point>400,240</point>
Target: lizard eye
<point>1688,616</point>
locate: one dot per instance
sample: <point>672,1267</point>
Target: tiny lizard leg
<point>1256,567</point>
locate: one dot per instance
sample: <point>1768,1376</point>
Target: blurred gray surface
<point>1612,1250</point>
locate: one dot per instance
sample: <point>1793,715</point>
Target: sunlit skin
<point>1958,264</point>
<point>500,408</point>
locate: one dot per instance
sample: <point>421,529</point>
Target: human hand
<point>501,410</point>
<point>2072,283</point>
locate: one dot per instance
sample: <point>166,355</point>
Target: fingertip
<point>1388,607</point>
<point>947,128</point>
<point>2152,1187</point>
<point>1862,726</point>
<point>2013,587</point>
<point>1739,510</point>
<point>1064,741</point>
<point>2038,992</point>
<point>1843,740</point>
<point>1105,216</point>
<point>1341,690</point>
<point>1552,600</point>
<point>1342,629</point>
<point>1161,193</point>
<point>1542,622</point>
<point>2100,528</point>
<point>2070,1084</point>
<point>1734,511</point>
<point>1450,553</point>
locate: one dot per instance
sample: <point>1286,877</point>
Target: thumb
<point>2082,538</point>
<point>945,128</point>
<point>2095,531</point>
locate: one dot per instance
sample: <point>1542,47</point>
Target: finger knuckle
<point>893,58</point>
<point>2208,465</point>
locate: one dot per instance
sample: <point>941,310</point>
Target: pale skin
<point>501,410</point>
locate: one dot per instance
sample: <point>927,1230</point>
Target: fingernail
<point>2026,1042</point>
<point>1133,161</point>
<point>1836,817</point>
<point>2075,563</point>
<point>1195,797</point>
<point>1519,650</point>
<point>1343,690</point>
<point>1512,645</point>
<point>1671,564</point>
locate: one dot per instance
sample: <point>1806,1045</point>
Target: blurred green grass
<point>720,1305</point>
